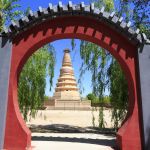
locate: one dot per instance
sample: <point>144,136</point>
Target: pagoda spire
<point>66,81</point>
<point>66,59</point>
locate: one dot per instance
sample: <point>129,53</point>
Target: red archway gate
<point>73,21</point>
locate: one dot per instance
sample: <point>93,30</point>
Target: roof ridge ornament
<point>112,14</point>
<point>70,9</point>
<point>70,5</point>
<point>60,6</point>
<point>92,6</point>
<point>82,5</point>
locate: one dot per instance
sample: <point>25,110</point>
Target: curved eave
<point>65,89</point>
<point>66,78</point>
<point>66,83</point>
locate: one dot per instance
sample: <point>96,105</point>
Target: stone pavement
<point>72,141</point>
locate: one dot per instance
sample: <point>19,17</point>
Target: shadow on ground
<point>104,142</point>
<point>63,128</point>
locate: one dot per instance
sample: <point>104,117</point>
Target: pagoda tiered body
<point>66,90</point>
<point>66,95</point>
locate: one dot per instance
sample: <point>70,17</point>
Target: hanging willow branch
<point>96,60</point>
<point>32,81</point>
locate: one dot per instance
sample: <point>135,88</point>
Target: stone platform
<point>67,105</point>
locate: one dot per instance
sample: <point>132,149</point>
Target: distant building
<point>66,95</point>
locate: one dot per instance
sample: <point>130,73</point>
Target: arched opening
<point>56,121</point>
<point>73,27</point>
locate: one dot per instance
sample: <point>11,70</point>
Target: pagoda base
<point>67,96</point>
<point>68,105</point>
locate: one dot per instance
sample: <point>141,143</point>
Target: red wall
<point>17,135</point>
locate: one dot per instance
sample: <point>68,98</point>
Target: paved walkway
<point>72,141</point>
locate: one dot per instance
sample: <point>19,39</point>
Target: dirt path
<point>74,118</point>
<point>69,130</point>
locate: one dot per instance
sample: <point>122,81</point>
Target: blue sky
<point>59,46</point>
<point>34,4</point>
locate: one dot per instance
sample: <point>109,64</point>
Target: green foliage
<point>108,4</point>
<point>137,12</point>
<point>91,97</point>
<point>32,82</point>
<point>106,72</point>
<point>93,117</point>
<point>73,44</point>
<point>107,99</point>
<point>96,60</point>
<point>100,63</point>
<point>95,100</point>
<point>46,98</point>
<point>31,86</point>
<point>118,93</point>
<point>7,12</point>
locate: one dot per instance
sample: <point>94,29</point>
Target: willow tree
<point>106,71</point>
<point>137,12</point>
<point>8,12</point>
<point>118,93</point>
<point>32,81</point>
<point>97,60</point>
